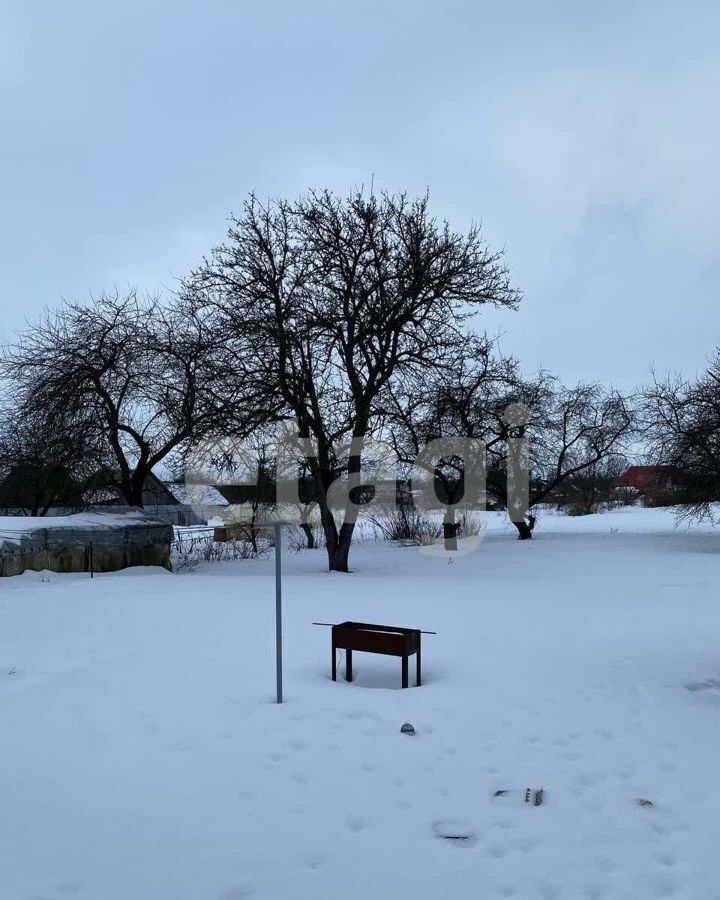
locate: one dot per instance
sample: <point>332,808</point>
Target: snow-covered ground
<point>142,756</point>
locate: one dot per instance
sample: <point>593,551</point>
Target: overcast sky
<point>585,137</point>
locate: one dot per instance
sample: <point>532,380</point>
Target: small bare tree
<point>568,430</point>
<point>465,395</point>
<point>583,493</point>
<point>43,463</point>
<point>681,420</point>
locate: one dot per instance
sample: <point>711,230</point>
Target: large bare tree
<point>138,378</point>
<point>337,298</point>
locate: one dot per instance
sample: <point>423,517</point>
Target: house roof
<point>647,476</point>
<point>104,491</point>
<point>196,494</point>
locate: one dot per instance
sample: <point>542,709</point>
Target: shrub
<point>406,525</point>
<point>189,550</point>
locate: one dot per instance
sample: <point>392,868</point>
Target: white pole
<point>278,610</point>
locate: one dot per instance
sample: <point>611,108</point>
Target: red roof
<point>648,476</point>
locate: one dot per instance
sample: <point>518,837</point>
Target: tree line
<point>348,318</point>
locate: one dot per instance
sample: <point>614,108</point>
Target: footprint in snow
<point>604,864</point>
<point>354,823</point>
<point>237,892</point>
<point>710,684</point>
<point>663,886</point>
<point>587,779</point>
<point>548,891</point>
<point>596,891</point>
<point>527,845</point>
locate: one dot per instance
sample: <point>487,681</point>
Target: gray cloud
<point>585,139</point>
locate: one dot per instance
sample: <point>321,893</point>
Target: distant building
<point>33,490</point>
<point>204,499</point>
<point>50,490</point>
<point>653,482</point>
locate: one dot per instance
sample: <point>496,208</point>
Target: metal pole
<point>278,610</point>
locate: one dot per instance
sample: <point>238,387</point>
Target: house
<point>50,490</point>
<point>160,502</point>
<point>158,499</point>
<point>33,490</point>
<point>204,499</point>
<point>650,481</point>
<point>386,491</point>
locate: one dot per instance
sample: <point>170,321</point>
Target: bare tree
<point>136,378</point>
<point>465,395</point>
<point>584,492</point>
<point>336,299</point>
<point>43,463</point>
<point>568,430</point>
<point>248,471</point>
<point>681,420</point>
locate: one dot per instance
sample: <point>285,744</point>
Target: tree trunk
<point>450,530</point>
<point>331,533</point>
<point>253,529</point>
<point>525,528</point>
<point>309,536</point>
<point>338,558</point>
<point>132,488</point>
<point>451,490</point>
<point>337,543</point>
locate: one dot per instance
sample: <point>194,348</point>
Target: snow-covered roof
<point>196,494</point>
<point>81,528</point>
